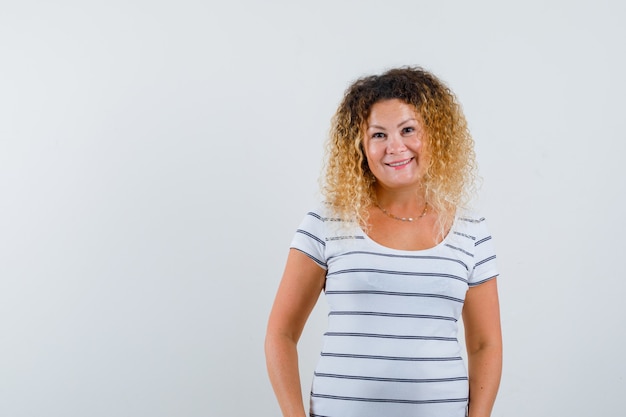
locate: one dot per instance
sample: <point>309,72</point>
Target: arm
<point>297,294</point>
<point>483,336</point>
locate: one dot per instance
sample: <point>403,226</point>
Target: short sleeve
<point>310,238</point>
<point>485,267</point>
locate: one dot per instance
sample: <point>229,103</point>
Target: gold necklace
<point>403,219</point>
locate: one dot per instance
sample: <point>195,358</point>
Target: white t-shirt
<point>391,346</point>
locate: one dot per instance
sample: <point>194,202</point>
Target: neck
<point>410,200</point>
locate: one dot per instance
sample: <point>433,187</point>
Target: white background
<point>157,156</point>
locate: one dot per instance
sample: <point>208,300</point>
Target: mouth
<point>400,164</point>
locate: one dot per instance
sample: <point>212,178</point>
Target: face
<point>394,144</point>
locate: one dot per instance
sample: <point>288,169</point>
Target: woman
<point>399,259</point>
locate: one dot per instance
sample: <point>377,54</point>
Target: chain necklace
<point>403,219</point>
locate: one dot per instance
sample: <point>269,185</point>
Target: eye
<point>408,130</point>
<point>378,135</point>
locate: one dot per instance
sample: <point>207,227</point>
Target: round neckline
<point>442,243</point>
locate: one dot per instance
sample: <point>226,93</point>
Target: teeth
<point>397,164</point>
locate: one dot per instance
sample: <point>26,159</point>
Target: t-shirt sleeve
<point>485,267</point>
<point>310,238</point>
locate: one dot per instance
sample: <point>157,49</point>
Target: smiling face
<point>394,144</point>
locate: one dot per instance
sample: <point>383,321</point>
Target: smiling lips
<point>400,164</point>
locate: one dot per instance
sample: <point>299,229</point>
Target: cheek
<point>365,150</point>
<point>422,148</point>
<point>374,155</point>
<point>371,153</point>
<point>419,145</point>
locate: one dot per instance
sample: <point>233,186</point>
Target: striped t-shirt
<point>391,346</point>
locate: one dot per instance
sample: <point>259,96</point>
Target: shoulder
<point>320,233</point>
<point>324,222</point>
<point>473,225</point>
<point>317,220</point>
<point>470,220</point>
<point>325,214</point>
<point>470,216</point>
<point>470,227</point>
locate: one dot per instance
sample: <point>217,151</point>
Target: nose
<point>395,144</point>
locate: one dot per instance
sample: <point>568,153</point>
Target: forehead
<point>392,109</point>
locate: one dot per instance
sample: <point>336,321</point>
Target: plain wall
<point>156,158</point>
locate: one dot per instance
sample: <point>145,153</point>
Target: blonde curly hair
<point>348,183</point>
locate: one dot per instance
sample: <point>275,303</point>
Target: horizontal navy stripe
<point>373,313</point>
<point>473,284</point>
<point>483,240</point>
<point>389,255</point>
<point>464,235</point>
<point>405,380</point>
<point>491,258</point>
<point>391,336</point>
<point>312,214</point>
<point>389,400</point>
<point>333,238</point>
<point>391,358</point>
<point>459,249</point>
<point>312,236</point>
<point>318,261</point>
<point>324,219</point>
<point>404,273</point>
<point>467,219</point>
<point>394,293</point>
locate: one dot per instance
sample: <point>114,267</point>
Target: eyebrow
<point>399,124</point>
